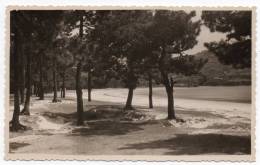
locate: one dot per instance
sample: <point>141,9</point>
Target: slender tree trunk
<point>22,84</point>
<point>41,89</point>
<point>80,110</point>
<point>21,95</point>
<point>150,90</point>
<point>89,85</point>
<point>58,84</point>
<point>169,90</point>
<point>26,109</point>
<point>168,83</point>
<point>54,82</point>
<point>21,90</point>
<point>61,94</point>
<point>37,89</point>
<point>32,87</point>
<point>63,85</point>
<point>131,84</point>
<point>79,96</point>
<point>78,82</point>
<point>171,111</point>
<point>128,105</point>
<point>14,123</point>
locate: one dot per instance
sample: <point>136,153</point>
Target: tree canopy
<point>236,49</point>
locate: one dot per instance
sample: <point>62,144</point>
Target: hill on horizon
<point>218,74</point>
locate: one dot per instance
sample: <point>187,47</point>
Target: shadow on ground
<point>108,128</point>
<point>108,120</point>
<point>96,112</point>
<point>16,145</point>
<point>198,144</point>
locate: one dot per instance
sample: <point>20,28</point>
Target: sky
<point>204,36</point>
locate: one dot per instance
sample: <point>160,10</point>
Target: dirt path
<point>109,131</point>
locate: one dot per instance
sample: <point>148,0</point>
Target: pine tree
<point>236,49</point>
<point>122,33</point>
<point>172,32</point>
<point>16,38</point>
<point>80,20</point>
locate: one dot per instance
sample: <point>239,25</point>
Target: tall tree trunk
<point>37,89</point>
<point>63,90</point>
<point>150,90</point>
<point>79,96</point>
<point>32,87</point>
<point>78,82</point>
<point>41,89</point>
<point>169,90</point>
<point>61,93</point>
<point>54,82</point>
<point>22,84</point>
<point>14,123</point>
<point>168,84</point>
<point>128,105</point>
<point>21,90</point>
<point>89,85</point>
<point>131,84</point>
<point>171,111</point>
<point>26,109</point>
<point>58,84</point>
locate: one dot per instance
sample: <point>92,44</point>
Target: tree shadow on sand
<point>108,128</point>
<point>198,144</point>
<point>107,120</point>
<point>16,145</point>
<point>96,112</point>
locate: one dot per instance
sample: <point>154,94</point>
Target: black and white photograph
<point>130,82</point>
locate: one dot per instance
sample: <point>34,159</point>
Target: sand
<point>107,131</point>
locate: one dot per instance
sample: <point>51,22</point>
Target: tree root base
<point>55,101</point>
<point>25,112</point>
<point>129,108</point>
<point>16,127</point>
<point>178,120</point>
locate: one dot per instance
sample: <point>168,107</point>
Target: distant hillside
<point>218,74</point>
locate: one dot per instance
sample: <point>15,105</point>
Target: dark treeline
<point>54,50</point>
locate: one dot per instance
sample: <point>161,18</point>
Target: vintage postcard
<point>130,83</point>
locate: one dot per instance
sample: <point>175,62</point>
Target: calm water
<point>216,93</point>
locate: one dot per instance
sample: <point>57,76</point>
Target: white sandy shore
<point>232,111</point>
<point>118,95</point>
